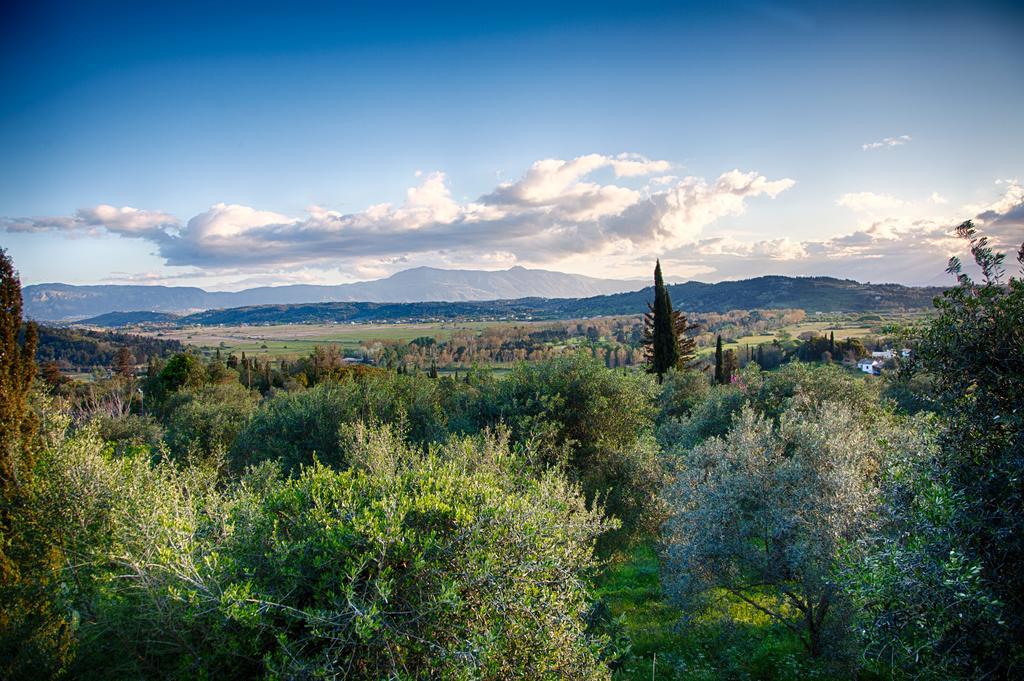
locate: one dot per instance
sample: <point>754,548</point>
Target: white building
<point>870,365</point>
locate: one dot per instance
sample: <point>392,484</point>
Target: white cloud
<point>1002,221</point>
<point>631,165</point>
<point>899,244</point>
<point>557,210</point>
<point>600,214</point>
<point>772,249</point>
<point>126,221</point>
<point>677,215</point>
<point>887,142</point>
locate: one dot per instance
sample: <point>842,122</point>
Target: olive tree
<point>763,513</point>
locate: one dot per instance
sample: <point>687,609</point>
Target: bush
<point>293,427</point>
<point>711,417</point>
<point>130,431</point>
<point>457,563</point>
<point>594,423</point>
<point>681,391</point>
<point>924,610</point>
<point>207,420</point>
<point>795,386</point>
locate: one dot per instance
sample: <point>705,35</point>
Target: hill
<point>116,319</point>
<point>813,294</point>
<point>84,349</point>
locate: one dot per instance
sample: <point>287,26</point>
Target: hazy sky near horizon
<point>228,144</point>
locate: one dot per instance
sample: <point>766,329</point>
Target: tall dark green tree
<point>17,369</point>
<point>34,637</point>
<point>124,363</point>
<point>667,344</point>
<point>719,373</point>
<point>730,366</point>
<point>974,350</point>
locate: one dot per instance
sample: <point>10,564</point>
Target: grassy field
<point>290,340</point>
<point>842,332</point>
<point>731,640</point>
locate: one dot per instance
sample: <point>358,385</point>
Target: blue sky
<point>230,144</point>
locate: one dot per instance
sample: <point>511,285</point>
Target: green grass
<point>731,640</point>
<point>296,340</point>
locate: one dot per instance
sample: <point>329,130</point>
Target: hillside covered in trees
<point>74,348</point>
<point>812,294</point>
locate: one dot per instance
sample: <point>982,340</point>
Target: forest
<point>86,349</point>
<point>576,518</point>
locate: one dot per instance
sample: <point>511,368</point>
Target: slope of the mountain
<point>113,320</point>
<point>64,301</point>
<point>813,294</point>
<point>83,349</point>
<point>67,302</point>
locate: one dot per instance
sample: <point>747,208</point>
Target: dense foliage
<point>946,591</point>
<point>84,349</point>
<point>459,562</point>
<point>34,635</point>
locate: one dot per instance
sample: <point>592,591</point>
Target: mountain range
<point>66,302</point>
<point>813,294</point>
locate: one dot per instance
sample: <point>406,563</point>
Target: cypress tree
<point>718,361</point>
<point>832,342</point>
<point>666,345</point>
<point>123,363</point>
<point>730,365</point>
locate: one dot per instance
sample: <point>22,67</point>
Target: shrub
<point>924,610</point>
<point>794,386</point>
<point>711,417</point>
<point>681,391</point>
<point>130,431</point>
<point>293,427</point>
<point>458,563</point>
<point>594,423</point>
<point>206,420</point>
